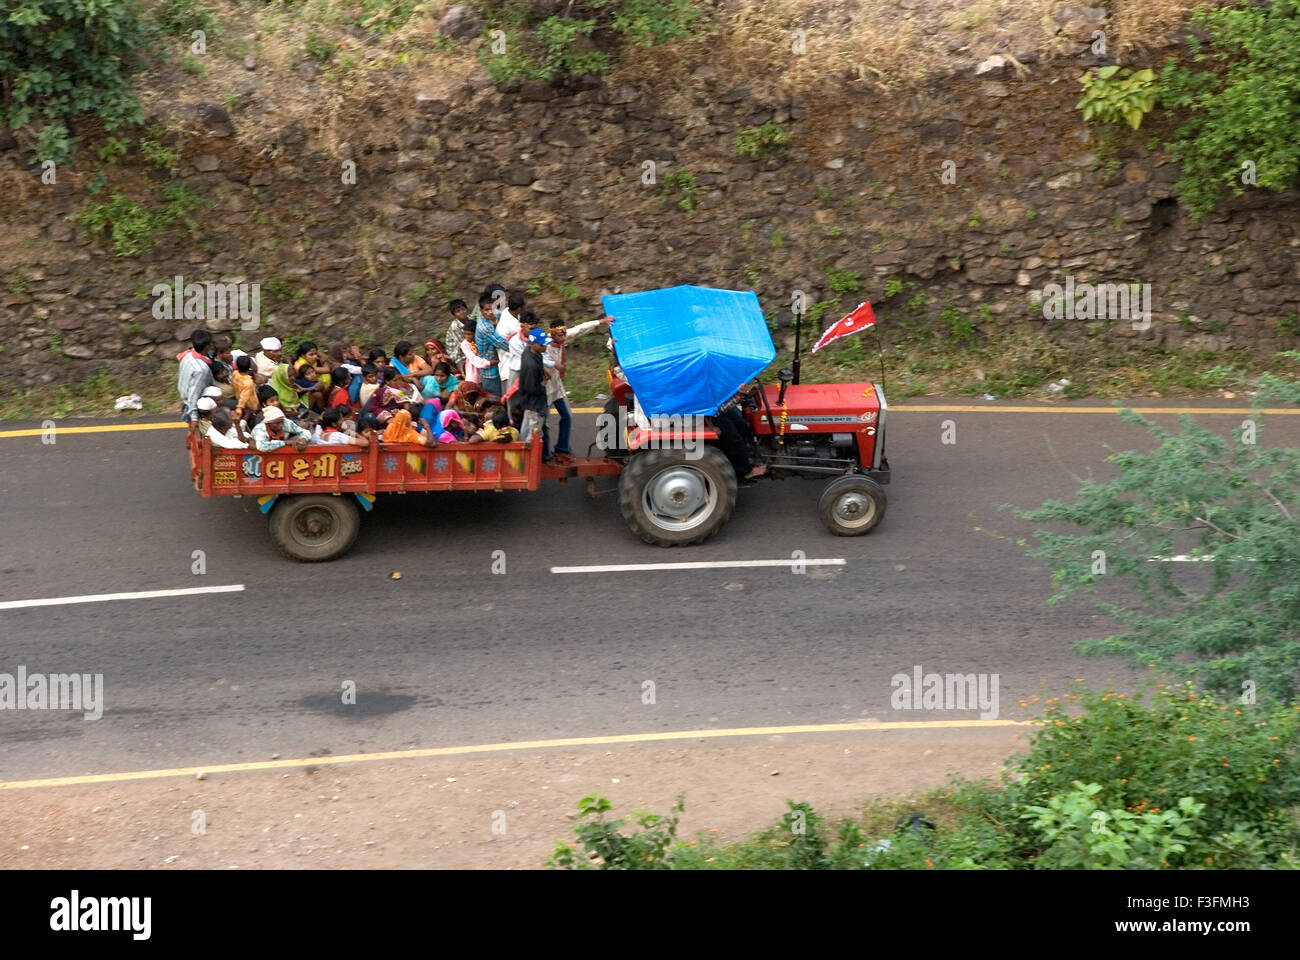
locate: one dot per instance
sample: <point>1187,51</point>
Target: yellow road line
<point>106,428</point>
<point>894,408</point>
<point>498,747</point>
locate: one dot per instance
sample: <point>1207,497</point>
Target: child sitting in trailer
<point>331,429</point>
<point>246,402</point>
<point>341,391</point>
<point>407,362</point>
<point>312,388</point>
<point>498,429</point>
<point>474,364</point>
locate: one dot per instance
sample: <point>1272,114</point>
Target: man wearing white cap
<point>267,359</point>
<point>205,406</point>
<point>276,430</point>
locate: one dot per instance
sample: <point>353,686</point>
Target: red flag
<point>860,319</point>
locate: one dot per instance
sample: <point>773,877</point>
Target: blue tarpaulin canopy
<point>687,349</point>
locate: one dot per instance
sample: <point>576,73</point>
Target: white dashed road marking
<point>698,565</point>
<point>101,597</point>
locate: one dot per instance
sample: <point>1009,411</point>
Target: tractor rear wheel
<point>671,500</point>
<point>315,527</point>
<point>851,505</point>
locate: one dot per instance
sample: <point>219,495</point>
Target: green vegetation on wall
<point>519,46</point>
<point>1240,118</point>
<point>62,59</point>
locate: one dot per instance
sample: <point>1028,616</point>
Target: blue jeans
<point>491,385</point>
<point>529,423</point>
<point>566,425</point>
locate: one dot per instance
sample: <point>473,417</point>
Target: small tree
<point>61,59</point>
<point>1231,620</point>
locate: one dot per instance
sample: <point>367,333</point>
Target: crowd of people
<point>495,377</point>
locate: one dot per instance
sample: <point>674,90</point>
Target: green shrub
<point>551,50</point>
<point>132,226</point>
<point>1244,109</point>
<point>1242,764</point>
<point>561,52</point>
<point>769,140</point>
<point>648,22</point>
<point>319,48</point>
<point>1184,782</point>
<point>604,847</point>
<point>383,16</point>
<point>1079,834</point>
<point>62,59</point>
<point>1195,492</point>
<point>183,17</point>
<point>1112,95</point>
<point>842,281</point>
<point>960,327</point>
<point>684,182</point>
<point>513,64</point>
<point>155,153</point>
<point>559,46</point>
<point>113,148</point>
<point>54,142</point>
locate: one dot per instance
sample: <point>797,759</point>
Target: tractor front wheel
<point>315,527</point>
<point>670,499</point>
<point>851,505</point>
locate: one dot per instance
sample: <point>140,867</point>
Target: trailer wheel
<point>315,527</point>
<point>670,500</point>
<point>851,505</point>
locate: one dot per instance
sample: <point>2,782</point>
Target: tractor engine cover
<point>832,421</point>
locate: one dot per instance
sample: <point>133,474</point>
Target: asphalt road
<point>453,654</point>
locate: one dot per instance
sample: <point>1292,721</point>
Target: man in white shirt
<point>267,359</point>
<point>556,396</point>
<point>507,326</point>
<point>223,434</point>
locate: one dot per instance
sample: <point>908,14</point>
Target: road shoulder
<point>442,812</point>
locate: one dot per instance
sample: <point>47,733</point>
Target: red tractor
<point>681,470</point>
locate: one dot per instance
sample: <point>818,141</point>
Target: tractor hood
<point>686,350</point>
